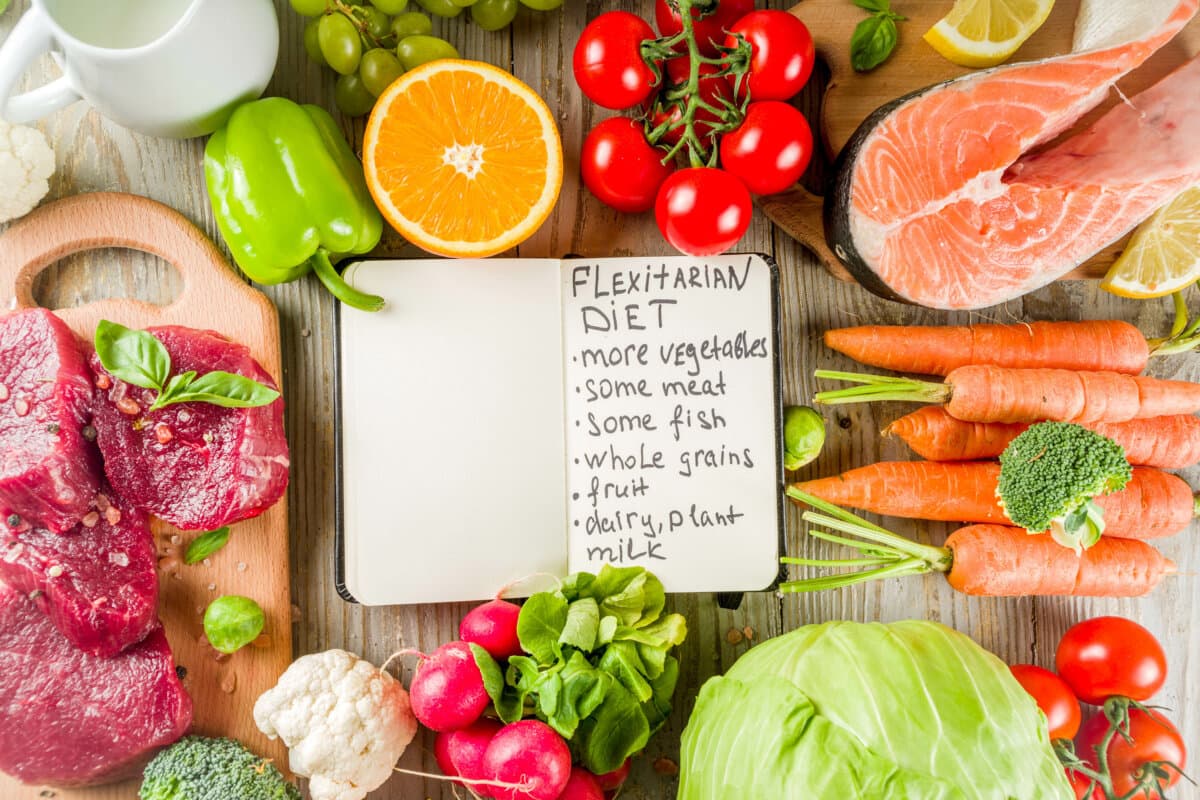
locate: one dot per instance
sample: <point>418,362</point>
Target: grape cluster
<point>370,44</point>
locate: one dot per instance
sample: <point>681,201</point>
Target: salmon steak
<point>958,196</point>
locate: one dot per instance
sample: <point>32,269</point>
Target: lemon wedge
<point>1164,254</point>
<point>984,33</point>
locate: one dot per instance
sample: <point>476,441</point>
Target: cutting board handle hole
<point>92,276</point>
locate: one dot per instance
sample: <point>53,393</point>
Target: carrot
<point>1093,345</point>
<point>1165,442</point>
<point>997,394</point>
<point>1152,505</point>
<point>992,560</point>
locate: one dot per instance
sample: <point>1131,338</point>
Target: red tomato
<point>703,211</point>
<point>711,91</point>
<point>1081,784</point>
<point>710,30</point>
<point>1108,656</point>
<point>771,149</point>
<point>608,60</point>
<point>782,54</point>
<point>1054,698</point>
<point>621,168</point>
<point>1153,739</point>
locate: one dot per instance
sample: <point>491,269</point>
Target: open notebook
<point>502,418</point>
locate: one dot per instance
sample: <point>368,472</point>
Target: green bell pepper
<point>290,196</point>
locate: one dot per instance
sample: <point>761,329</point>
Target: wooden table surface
<point>96,155</point>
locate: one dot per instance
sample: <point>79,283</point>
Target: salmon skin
<point>936,203</point>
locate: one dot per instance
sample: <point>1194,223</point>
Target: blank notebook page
<point>452,419</point>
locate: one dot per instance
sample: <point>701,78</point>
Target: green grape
<point>492,15</point>
<point>340,43</point>
<point>417,50</point>
<point>379,24</point>
<point>464,3</point>
<point>352,96</point>
<point>309,8</point>
<point>443,8</point>
<point>411,23</point>
<point>390,7</point>
<point>312,45</point>
<point>543,5</point>
<point>378,69</point>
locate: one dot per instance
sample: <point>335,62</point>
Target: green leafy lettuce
<point>600,668</point>
<point>908,710</point>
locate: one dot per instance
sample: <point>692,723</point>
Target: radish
<point>581,785</point>
<point>613,780</point>
<point>447,690</point>
<point>493,626</point>
<point>531,758</point>
<point>460,753</point>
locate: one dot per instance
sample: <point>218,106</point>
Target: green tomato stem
<point>338,287</point>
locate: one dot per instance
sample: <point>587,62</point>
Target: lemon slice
<point>984,33</point>
<point>1164,254</point>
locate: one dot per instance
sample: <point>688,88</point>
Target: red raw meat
<point>72,719</point>
<point>49,472</point>
<point>97,581</point>
<point>196,465</point>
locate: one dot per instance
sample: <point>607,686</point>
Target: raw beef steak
<point>97,581</point>
<point>196,465</point>
<point>49,472</point>
<point>72,719</point>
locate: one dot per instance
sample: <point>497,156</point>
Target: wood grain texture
<point>254,563</point>
<point>95,155</point>
<point>852,96</point>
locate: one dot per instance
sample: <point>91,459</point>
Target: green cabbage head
<point>906,711</point>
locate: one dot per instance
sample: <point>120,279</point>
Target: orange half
<point>463,159</point>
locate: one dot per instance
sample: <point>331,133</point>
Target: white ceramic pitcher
<point>174,68</point>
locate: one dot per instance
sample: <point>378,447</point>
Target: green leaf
<point>223,389</point>
<point>629,603</point>
<point>135,357</point>
<point>873,41</point>
<point>576,585</point>
<point>668,631</point>
<point>615,732</point>
<point>582,625</point>
<point>608,629</point>
<point>174,386</point>
<point>521,676</point>
<point>658,708</point>
<point>549,689</point>
<point>206,544</point>
<point>542,619</point>
<point>612,581</point>
<point>654,660</point>
<point>583,688</point>
<point>493,679</point>
<point>655,600</point>
<point>3,6</point>
<point>621,660</point>
<point>874,5</point>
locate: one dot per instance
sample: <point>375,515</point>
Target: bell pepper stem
<point>338,287</point>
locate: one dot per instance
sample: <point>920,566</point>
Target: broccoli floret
<point>197,768</point>
<point>1049,475</point>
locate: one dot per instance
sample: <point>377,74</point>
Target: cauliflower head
<point>26,164</point>
<point>345,721</point>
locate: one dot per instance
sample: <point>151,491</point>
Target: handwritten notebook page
<point>452,429</point>
<point>671,409</point>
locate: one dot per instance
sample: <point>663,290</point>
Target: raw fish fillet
<point>936,203</point>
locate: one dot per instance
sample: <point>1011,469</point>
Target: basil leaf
<point>617,730</point>
<point>582,625</point>
<point>874,5</point>
<point>174,386</point>
<point>206,544</point>
<point>539,625</point>
<point>873,42</point>
<point>135,357</point>
<point>222,389</point>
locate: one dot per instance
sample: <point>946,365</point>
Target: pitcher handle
<point>31,37</point>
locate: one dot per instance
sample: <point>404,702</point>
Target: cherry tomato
<point>1054,698</point>
<point>1108,656</point>
<point>1081,784</point>
<point>710,30</point>
<point>608,60</point>
<point>621,168</point>
<point>712,90</point>
<point>770,149</point>
<point>703,211</point>
<point>1152,738</point>
<point>782,54</point>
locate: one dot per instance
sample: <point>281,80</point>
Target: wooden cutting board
<point>255,562</point>
<point>852,96</point>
